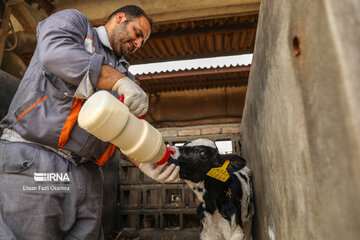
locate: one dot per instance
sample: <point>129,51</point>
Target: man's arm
<point>108,77</point>
<point>133,161</point>
<point>61,39</point>
<point>62,51</point>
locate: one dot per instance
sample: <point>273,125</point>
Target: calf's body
<point>226,207</point>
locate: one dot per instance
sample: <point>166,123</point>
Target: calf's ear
<point>236,162</point>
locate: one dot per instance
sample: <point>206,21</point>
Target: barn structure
<point>293,113</point>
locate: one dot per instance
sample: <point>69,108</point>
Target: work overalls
<point>41,136</point>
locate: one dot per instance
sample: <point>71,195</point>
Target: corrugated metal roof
<point>217,62</point>
<point>195,39</point>
<point>198,78</point>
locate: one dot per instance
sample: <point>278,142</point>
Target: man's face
<point>129,36</point>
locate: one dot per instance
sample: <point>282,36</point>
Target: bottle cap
<point>165,157</point>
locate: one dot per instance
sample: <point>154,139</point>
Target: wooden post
<point>4,31</point>
<point>5,24</point>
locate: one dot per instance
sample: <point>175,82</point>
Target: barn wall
<point>196,107</point>
<point>301,123</point>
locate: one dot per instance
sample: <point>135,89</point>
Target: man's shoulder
<point>71,15</point>
<point>69,20</point>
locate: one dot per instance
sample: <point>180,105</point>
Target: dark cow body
<point>226,208</point>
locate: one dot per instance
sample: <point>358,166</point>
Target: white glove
<point>135,98</point>
<point>158,173</point>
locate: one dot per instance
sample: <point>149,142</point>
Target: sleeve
<point>62,51</point>
<point>123,67</point>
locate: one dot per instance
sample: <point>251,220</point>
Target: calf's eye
<point>203,154</point>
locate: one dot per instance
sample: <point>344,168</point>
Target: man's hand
<point>158,173</point>
<point>135,98</point>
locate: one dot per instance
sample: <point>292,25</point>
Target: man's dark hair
<point>132,12</point>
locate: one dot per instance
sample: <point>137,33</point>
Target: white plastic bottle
<point>110,120</point>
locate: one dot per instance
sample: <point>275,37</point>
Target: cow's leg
<point>212,230</point>
<point>237,233</point>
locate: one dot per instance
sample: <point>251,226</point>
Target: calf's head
<point>196,158</point>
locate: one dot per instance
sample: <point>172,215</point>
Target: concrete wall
<point>301,124</point>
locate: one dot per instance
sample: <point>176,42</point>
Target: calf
<point>226,205</point>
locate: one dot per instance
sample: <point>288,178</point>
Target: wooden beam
<point>5,25</point>
<point>237,27</point>
<point>4,31</point>
<point>192,86</point>
<point>48,7</point>
<point>135,59</point>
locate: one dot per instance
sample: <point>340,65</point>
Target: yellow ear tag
<point>220,173</point>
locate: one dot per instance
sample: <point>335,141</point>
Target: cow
<point>226,202</point>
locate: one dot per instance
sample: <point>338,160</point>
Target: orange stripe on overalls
<point>70,122</point>
<point>92,43</point>
<point>29,108</point>
<point>106,155</point>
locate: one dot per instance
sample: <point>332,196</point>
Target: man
<point>41,140</point>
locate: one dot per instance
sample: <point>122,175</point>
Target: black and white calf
<point>226,208</point>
